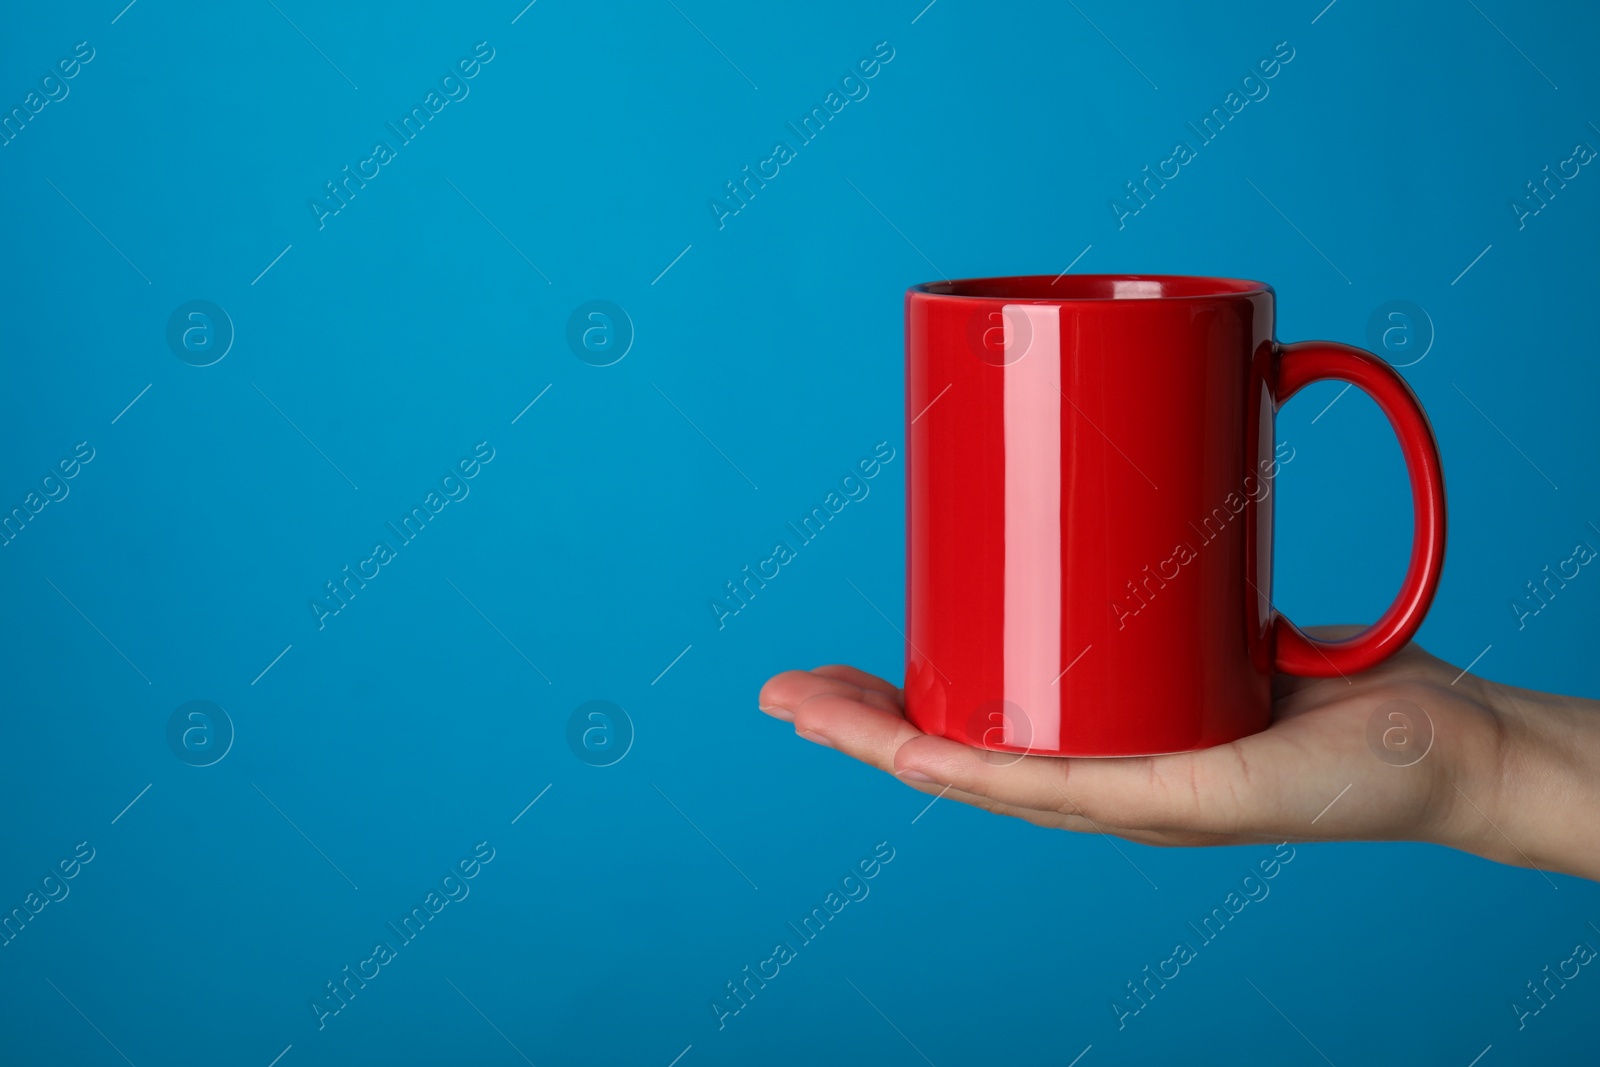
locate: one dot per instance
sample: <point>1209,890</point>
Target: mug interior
<point>1093,287</point>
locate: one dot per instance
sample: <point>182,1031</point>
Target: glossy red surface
<point>1089,496</point>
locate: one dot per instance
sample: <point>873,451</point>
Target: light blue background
<point>411,327</point>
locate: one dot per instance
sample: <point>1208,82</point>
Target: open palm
<point>1429,769</point>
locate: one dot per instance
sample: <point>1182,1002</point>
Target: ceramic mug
<point>1090,462</point>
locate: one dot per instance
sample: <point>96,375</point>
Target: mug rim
<point>1090,288</point>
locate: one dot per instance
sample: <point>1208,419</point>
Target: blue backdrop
<point>285,283</point>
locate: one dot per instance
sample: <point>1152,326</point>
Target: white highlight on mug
<point>1136,289</point>
<point>1032,613</point>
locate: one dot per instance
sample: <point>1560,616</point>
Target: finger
<point>873,735</point>
<point>855,727</point>
<point>1049,819</point>
<point>1044,790</point>
<point>1083,825</point>
<point>857,676</point>
<point>1027,783</point>
<point>787,691</point>
<point>1208,791</point>
<point>1038,816</point>
<point>1228,790</point>
<point>1031,782</point>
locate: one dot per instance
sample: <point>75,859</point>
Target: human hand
<point>1511,775</point>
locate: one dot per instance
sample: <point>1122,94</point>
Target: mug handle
<point>1298,365</point>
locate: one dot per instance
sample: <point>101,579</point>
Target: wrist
<point>1534,792</point>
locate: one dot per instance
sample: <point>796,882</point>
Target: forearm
<point>1540,796</point>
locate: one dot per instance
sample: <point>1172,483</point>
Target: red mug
<point>1090,461</point>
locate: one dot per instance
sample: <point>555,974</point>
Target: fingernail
<point>815,738</point>
<point>778,712</point>
<point>913,776</point>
